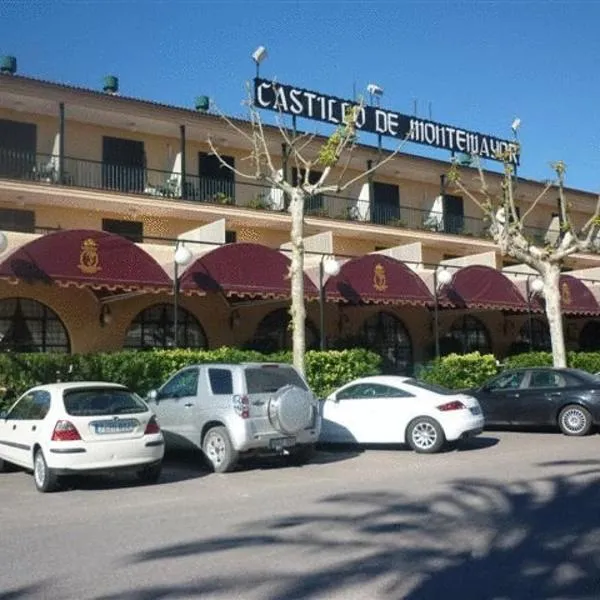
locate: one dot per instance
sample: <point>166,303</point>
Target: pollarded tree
<point>307,152</point>
<point>507,229</point>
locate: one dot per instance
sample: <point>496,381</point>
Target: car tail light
<point>152,427</point>
<point>454,405</point>
<point>241,405</point>
<point>65,431</point>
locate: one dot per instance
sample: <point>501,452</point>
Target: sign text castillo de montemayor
<point>313,105</point>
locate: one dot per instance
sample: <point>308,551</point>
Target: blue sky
<point>473,64</point>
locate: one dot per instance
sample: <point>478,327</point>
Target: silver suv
<point>230,409</point>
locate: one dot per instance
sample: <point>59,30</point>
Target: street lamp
<point>181,258</point>
<point>534,286</point>
<point>330,267</point>
<point>258,56</point>
<point>439,280</point>
<point>375,94</point>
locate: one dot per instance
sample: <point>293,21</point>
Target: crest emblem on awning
<point>89,260</point>
<point>379,278</point>
<point>565,293</point>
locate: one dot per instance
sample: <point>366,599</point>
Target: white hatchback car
<point>76,427</point>
<point>390,409</point>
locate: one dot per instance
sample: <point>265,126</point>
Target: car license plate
<point>115,426</point>
<point>476,410</point>
<point>279,444</point>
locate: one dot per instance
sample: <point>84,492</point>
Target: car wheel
<point>425,435</point>
<point>575,420</point>
<point>218,450</point>
<point>150,474</point>
<point>45,478</point>
<point>300,455</point>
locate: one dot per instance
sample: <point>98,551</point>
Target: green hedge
<point>142,371</point>
<point>461,371</point>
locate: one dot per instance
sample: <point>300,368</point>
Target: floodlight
<point>516,124</point>
<point>375,90</point>
<point>259,55</point>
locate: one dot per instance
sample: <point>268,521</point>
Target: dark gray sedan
<point>568,398</point>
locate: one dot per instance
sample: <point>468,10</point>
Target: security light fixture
<point>375,90</point>
<point>259,54</point>
<point>515,125</point>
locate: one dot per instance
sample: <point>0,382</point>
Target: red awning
<point>481,287</point>
<point>576,298</point>
<point>378,279</point>
<point>242,269</point>
<point>85,258</point>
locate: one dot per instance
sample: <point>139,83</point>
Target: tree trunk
<point>551,278</point>
<point>297,279</point>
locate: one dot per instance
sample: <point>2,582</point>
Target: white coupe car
<point>389,409</point>
<point>70,428</point>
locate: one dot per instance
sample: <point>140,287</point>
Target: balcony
<point>96,175</point>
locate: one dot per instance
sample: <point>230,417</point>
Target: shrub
<point>461,371</point>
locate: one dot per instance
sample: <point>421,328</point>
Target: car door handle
<point>189,404</point>
<point>258,403</point>
<point>33,428</point>
<point>14,427</point>
<point>555,395</point>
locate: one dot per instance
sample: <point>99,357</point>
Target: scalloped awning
<point>85,258</point>
<point>377,279</point>
<point>575,298</point>
<point>481,287</point>
<point>244,270</point>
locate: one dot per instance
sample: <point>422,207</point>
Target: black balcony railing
<point>165,184</point>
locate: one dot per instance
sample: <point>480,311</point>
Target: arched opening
<point>29,326</point>
<point>153,328</point>
<point>467,334</point>
<point>273,333</point>
<point>589,337</point>
<point>386,334</point>
<point>534,335</point>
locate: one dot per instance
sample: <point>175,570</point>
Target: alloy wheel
<point>424,435</point>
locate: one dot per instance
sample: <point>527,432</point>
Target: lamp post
<point>181,258</point>
<point>331,267</point>
<point>534,287</point>
<point>444,278</point>
<point>375,94</point>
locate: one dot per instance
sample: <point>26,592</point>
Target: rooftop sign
<point>374,119</point>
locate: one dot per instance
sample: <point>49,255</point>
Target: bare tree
<point>507,229</point>
<point>307,152</point>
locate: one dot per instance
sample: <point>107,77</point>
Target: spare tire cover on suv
<point>290,410</point>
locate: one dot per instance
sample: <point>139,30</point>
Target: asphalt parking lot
<point>507,515</point>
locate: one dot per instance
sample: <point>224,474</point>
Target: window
<point>30,326</point>
<point>468,334</point>
<point>216,182</point>
<point>535,333</point>
<point>132,230</point>
<point>153,328</point>
<point>386,334</point>
<point>123,164</point>
<point>454,214</point>
<point>507,381</point>
<point>268,379</point>
<point>182,384</point>
<point>18,147</point>
<point>96,402</point>
<point>14,219</point>
<point>546,379</point>
<point>430,387</point>
<point>385,203</point>
<point>314,203</point>
<point>589,337</point>
<point>230,237</point>
<point>273,333</point>
<point>221,381</point>
<point>34,406</point>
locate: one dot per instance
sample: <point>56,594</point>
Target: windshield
<point>430,387</point>
<point>95,402</point>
